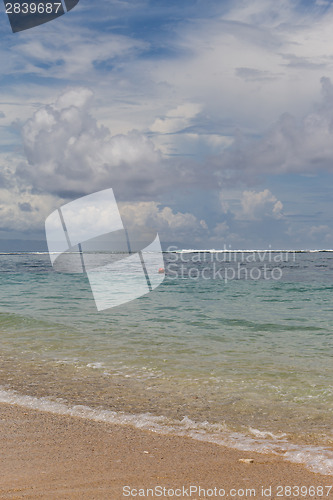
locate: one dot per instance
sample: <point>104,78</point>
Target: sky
<point>211,120</point>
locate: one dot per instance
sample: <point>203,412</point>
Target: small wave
<point>316,458</point>
<point>26,253</point>
<point>95,365</point>
<point>234,250</point>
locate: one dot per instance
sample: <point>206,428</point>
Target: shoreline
<point>52,456</point>
<point>316,458</point>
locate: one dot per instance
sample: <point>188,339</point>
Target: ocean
<point>234,347</point>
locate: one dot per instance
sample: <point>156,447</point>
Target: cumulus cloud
<point>250,205</point>
<point>68,151</point>
<point>256,205</point>
<point>169,223</point>
<point>23,211</point>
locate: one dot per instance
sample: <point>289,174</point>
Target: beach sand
<point>49,456</point>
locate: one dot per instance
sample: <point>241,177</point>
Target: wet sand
<point>50,456</point>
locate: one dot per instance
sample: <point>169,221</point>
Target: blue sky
<point>212,121</point>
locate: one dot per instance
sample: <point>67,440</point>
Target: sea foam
<point>316,458</point>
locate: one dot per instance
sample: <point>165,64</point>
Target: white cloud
<point>176,119</point>
<point>170,224</point>
<point>24,211</point>
<point>257,205</point>
<point>68,151</point>
<point>250,205</point>
<point>290,145</point>
<point>62,51</point>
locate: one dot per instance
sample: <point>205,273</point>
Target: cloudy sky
<point>211,120</point>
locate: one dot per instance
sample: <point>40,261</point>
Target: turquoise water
<point>231,347</point>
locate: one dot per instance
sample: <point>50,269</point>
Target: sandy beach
<point>51,456</point>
